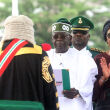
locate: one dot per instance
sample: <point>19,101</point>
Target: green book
<point>62,79</point>
<point>66,79</point>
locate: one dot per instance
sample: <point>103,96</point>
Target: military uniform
<point>94,51</point>
<point>83,25</point>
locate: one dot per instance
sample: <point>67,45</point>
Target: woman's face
<point>108,37</point>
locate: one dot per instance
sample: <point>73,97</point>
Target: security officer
<point>84,69</point>
<point>83,26</point>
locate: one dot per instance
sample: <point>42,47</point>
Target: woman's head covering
<point>106,27</point>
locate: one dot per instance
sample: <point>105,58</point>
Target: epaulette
<point>97,50</point>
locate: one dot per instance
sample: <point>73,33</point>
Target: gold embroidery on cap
<point>80,21</point>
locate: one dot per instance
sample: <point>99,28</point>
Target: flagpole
<point>15,10</point>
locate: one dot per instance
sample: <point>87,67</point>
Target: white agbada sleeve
<point>87,72</point>
<point>86,89</point>
<point>82,77</point>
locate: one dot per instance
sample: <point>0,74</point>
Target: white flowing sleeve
<point>87,83</point>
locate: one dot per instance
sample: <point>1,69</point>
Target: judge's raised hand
<point>72,93</point>
<point>105,68</point>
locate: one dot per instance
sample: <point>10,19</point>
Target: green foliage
<point>6,10</point>
<point>45,12</point>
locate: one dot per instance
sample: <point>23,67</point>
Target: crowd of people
<point>28,71</point>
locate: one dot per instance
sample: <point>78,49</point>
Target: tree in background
<point>46,12</point>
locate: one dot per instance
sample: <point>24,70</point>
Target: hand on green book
<point>72,93</point>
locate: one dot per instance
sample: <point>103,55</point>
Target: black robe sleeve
<point>50,92</point>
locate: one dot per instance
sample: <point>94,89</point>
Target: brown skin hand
<point>72,93</point>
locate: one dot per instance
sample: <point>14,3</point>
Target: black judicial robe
<point>29,77</point>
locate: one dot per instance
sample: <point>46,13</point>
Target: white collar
<point>65,53</point>
<point>84,49</point>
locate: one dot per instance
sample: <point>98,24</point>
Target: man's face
<point>61,41</point>
<point>80,38</point>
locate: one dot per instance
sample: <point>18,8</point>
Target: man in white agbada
<point>78,61</point>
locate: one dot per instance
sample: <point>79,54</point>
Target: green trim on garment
<point>20,105</point>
